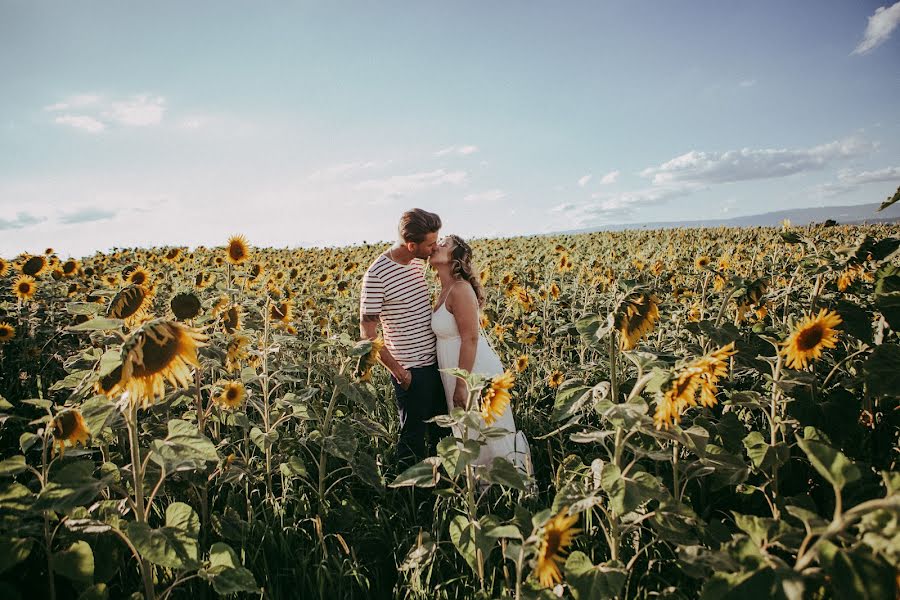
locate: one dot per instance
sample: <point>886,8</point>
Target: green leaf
<point>860,575</point>
<point>589,582</point>
<point>882,370</point>
<point>97,413</point>
<point>570,398</point>
<point>70,486</point>
<point>227,574</point>
<point>889,306</point>
<point>15,499</point>
<point>12,465</point>
<point>96,592</point>
<point>342,442</point>
<point>27,440</point>
<point>365,467</point>
<point>76,563</point>
<point>13,551</point>
<point>467,537</point>
<point>763,456</point>
<point>294,467</point>
<point>890,200</point>
<point>628,493</point>
<point>263,441</point>
<point>502,472</point>
<point>422,474</point>
<point>831,464</point>
<point>183,448</point>
<point>83,308</point>
<point>175,544</point>
<point>456,454</point>
<point>97,324</point>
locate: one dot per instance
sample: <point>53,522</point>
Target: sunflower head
<point>701,262</point>
<point>24,287</point>
<point>69,426</point>
<point>4,267</point>
<point>159,351</point>
<point>232,395</point>
<point>635,317</point>
<point>496,397</point>
<point>138,276</point>
<point>237,251</point>
<point>282,311</point>
<point>35,265</point>
<point>556,378</point>
<point>698,378</point>
<point>70,267</point>
<point>556,537</point>
<point>7,332</point>
<point>368,360</point>
<point>235,352</point>
<point>132,304</point>
<point>809,338</point>
<point>521,363</point>
<point>230,319</point>
<point>185,306</point>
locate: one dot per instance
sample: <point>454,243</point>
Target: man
<point>395,294</point>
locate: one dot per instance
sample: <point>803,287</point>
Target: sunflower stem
<point>138,477</point>
<point>613,380</point>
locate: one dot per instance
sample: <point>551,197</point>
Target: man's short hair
<point>416,223</point>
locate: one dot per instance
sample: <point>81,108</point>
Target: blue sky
<point>312,123</point>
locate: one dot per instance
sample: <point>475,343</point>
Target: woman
<point>460,343</point>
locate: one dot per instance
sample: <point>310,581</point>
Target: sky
<point>318,123</point>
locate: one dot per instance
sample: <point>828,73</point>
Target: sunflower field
<point>712,413</point>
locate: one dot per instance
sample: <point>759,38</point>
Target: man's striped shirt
<point>399,295</point>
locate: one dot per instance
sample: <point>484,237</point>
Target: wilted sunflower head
<point>230,319</point>
<point>24,287</point>
<point>809,338</point>
<point>35,265</point>
<point>496,397</point>
<point>282,311</point>
<point>557,535</point>
<point>635,316</point>
<point>369,359</point>
<point>131,304</point>
<point>69,426</point>
<point>7,332</point>
<point>235,352</point>
<point>172,255</point>
<point>185,306</point>
<point>232,395</point>
<point>237,251</point>
<point>109,384</point>
<point>699,377</point>
<point>160,350</point>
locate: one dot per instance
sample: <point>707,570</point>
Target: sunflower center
<point>158,356</point>
<point>231,394</point>
<point>810,337</point>
<point>64,425</point>
<point>24,287</point>
<point>553,540</point>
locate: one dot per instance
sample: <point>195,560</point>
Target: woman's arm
<point>465,311</point>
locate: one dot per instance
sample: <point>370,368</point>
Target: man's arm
<point>368,329</point>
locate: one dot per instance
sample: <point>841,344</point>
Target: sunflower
<point>554,291</point>
<point>109,384</point>
<point>235,352</point>
<point>811,335</point>
<point>484,275</point>
<point>564,264</point>
<point>4,267</point>
<point>555,379</point>
<point>701,262</point>
<point>237,252</point>
<point>557,536</point>
<point>70,267</point>
<point>233,394</point>
<point>637,314</point>
<point>496,397</point>
<point>138,276</point>
<point>368,360</point>
<point>69,426</point>
<point>324,278</point>
<point>230,319</point>
<point>130,304</point>
<point>848,276</point>
<point>343,288</point>
<point>34,266</point>
<point>24,287</point>
<point>699,377</point>
<point>185,306</point>
<point>282,311</point>
<point>172,255</point>
<point>7,332</point>
<point>160,350</point>
<point>521,363</point>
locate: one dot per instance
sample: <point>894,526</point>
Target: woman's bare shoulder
<point>462,293</point>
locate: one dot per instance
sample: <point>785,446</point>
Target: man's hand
<point>460,396</point>
<point>405,379</point>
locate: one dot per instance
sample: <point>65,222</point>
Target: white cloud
<point>584,180</point>
<point>610,178</point>
<point>848,180</point>
<point>75,102</point>
<point>138,111</point>
<point>460,150</point>
<point>397,186</point>
<point>881,25</point>
<point>747,83</point>
<point>486,196</point>
<point>82,122</point>
<point>747,164</point>
<point>345,170</point>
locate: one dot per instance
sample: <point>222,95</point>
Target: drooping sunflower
<point>230,319</point>
<point>554,291</point>
<point>809,338</point>
<point>848,276</point>
<point>24,287</point>
<point>69,426</point>
<point>235,352</point>
<point>4,267</point>
<point>282,311</point>
<point>160,350</point>
<point>70,267</point>
<point>238,252</point>
<point>556,378</point>
<point>131,304</point>
<point>496,397</point>
<point>185,306</point>
<point>7,332</point>
<point>172,255</point>
<point>343,288</point>
<point>698,378</point>
<point>557,535</point>
<point>34,266</point>
<point>521,363</point>
<point>636,315</point>
<point>232,395</point>
<point>368,360</point>
<point>110,383</point>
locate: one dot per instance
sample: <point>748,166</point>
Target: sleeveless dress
<point>514,446</point>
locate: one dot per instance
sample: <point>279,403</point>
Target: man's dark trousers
<point>423,400</point>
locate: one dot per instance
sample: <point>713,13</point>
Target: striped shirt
<point>399,295</point>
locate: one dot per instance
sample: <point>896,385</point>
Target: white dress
<point>513,447</point>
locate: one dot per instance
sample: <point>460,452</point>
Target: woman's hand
<point>460,396</point>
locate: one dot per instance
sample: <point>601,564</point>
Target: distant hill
<point>858,213</point>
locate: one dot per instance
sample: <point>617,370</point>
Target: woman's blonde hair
<point>461,266</point>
